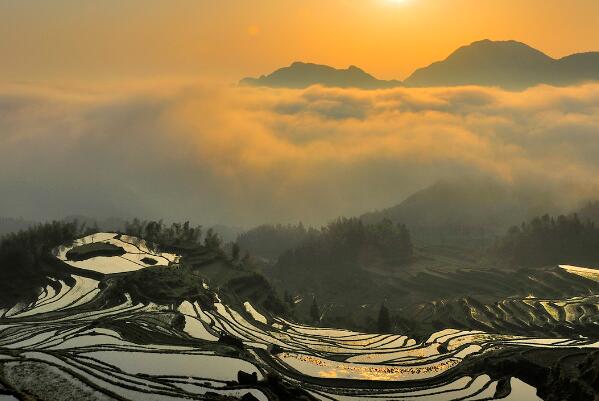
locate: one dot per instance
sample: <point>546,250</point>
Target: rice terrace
<point>316,200</point>
<point>102,332</point>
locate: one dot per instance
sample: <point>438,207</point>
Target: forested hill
<point>469,212</point>
<point>270,241</point>
<point>343,241</point>
<point>352,243</point>
<point>549,240</point>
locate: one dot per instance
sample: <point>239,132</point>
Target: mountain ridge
<point>301,75</point>
<point>473,210</point>
<point>507,64</point>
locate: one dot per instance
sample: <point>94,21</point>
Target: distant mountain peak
<point>508,64</point>
<point>302,75</point>
<point>303,64</point>
<point>498,48</point>
<point>489,42</point>
<point>500,44</point>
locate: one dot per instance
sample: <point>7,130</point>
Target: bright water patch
<point>136,251</point>
<point>591,274</point>
<point>179,364</point>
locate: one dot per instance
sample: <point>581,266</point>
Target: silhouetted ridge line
<point>508,64</point>
<point>302,75</point>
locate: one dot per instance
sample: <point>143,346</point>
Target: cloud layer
<point>245,155</point>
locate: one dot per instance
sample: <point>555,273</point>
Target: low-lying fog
<point>247,155</point>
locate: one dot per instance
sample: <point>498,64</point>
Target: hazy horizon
<point>131,109</point>
<point>242,156</point>
<point>121,40</point>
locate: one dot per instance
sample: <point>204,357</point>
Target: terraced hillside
<point>528,302</point>
<point>437,293</point>
<point>81,340</point>
<point>90,339</point>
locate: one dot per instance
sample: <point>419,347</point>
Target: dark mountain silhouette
<point>507,64</point>
<point>469,211</point>
<point>303,75</point>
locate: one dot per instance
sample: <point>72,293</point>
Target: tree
<point>271,241</point>
<point>235,250</point>
<point>247,259</point>
<point>26,259</point>
<point>405,241</point>
<point>161,236</point>
<point>315,310</point>
<point>384,322</point>
<point>212,240</point>
<point>350,243</point>
<point>548,240</point>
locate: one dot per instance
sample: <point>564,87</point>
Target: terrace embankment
<point>557,374</point>
<point>185,329</point>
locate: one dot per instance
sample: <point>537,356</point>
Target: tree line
<point>550,240</point>
<point>176,235</point>
<point>351,241</point>
<point>269,241</point>
<point>26,258</point>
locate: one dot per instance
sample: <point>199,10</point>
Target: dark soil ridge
<point>88,251</point>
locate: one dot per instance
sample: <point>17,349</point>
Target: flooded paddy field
<point>80,341</point>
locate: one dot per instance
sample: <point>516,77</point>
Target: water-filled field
<point>75,342</point>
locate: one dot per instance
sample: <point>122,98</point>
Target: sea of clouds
<point>236,155</point>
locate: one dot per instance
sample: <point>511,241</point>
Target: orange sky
<point>122,39</point>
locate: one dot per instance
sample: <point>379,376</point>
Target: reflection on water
<point>522,392</point>
<point>319,367</point>
<point>164,364</point>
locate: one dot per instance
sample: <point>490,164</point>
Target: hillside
<point>508,64</point>
<point>303,75</point>
<point>196,324</point>
<point>169,332</point>
<point>466,212</point>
